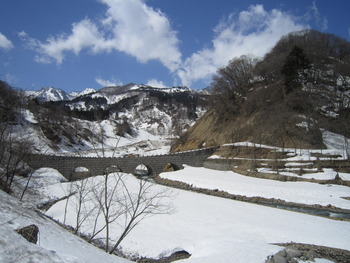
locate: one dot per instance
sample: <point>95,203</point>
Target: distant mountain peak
<point>116,90</point>
<point>48,94</point>
<point>76,94</point>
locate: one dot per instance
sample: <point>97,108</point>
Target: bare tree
<point>13,146</point>
<point>114,201</point>
<point>69,194</point>
<point>109,202</point>
<point>346,148</point>
<point>13,150</point>
<point>99,138</point>
<point>95,218</point>
<point>96,137</point>
<point>82,190</point>
<point>27,184</point>
<point>139,205</point>
<point>232,83</point>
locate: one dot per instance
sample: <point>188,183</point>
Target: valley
<point>254,169</point>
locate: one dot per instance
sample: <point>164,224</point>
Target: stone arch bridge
<point>97,166</point>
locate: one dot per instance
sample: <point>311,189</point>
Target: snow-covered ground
<point>211,229</point>
<point>313,173</point>
<point>141,143</point>
<point>55,244</point>
<point>220,230</point>
<point>297,160</point>
<point>234,183</point>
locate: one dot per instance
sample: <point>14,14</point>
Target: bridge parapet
<point>98,165</point>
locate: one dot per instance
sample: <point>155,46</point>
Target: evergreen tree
<point>294,69</point>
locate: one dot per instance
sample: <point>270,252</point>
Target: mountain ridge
<point>135,118</point>
<point>46,94</point>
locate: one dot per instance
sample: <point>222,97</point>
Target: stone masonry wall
<point>98,166</point>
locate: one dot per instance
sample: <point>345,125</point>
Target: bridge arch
<point>143,170</point>
<point>155,164</point>
<point>80,172</point>
<point>112,169</point>
<point>170,167</point>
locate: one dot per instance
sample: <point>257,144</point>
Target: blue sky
<point>79,44</point>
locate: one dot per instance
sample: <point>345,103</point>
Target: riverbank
<point>302,252</point>
<point>328,211</point>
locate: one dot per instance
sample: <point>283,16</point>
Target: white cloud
<point>108,83</point>
<point>254,32</point>
<point>5,43</point>
<point>130,26</point>
<point>143,32</point>
<point>322,22</point>
<point>85,34</point>
<point>10,79</point>
<point>156,83</point>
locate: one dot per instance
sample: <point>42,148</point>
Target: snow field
<point>325,174</point>
<point>298,158</point>
<point>234,183</point>
<point>219,230</point>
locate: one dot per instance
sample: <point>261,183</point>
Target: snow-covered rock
<point>48,94</point>
<point>76,94</point>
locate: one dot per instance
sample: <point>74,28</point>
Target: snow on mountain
<point>159,111</point>
<point>76,94</point>
<point>53,94</point>
<point>48,94</point>
<point>117,90</point>
<point>130,116</point>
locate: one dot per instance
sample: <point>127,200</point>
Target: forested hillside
<point>288,98</point>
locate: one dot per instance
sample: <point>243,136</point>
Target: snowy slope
<point>137,118</point>
<point>54,245</point>
<point>159,111</point>
<point>90,143</point>
<point>75,94</point>
<point>48,94</point>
